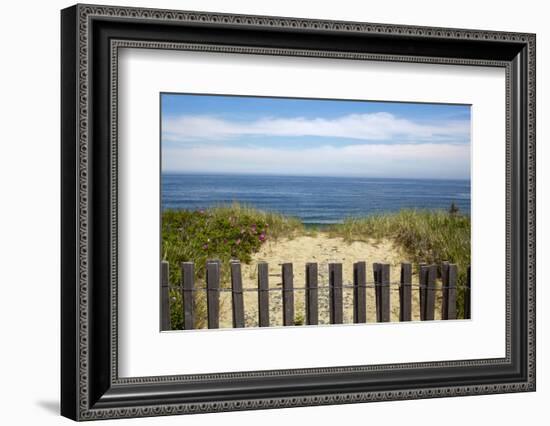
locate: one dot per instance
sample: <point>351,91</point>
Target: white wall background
<point>29,223</point>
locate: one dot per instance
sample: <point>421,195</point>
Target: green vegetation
<point>224,233</point>
<point>426,235</point>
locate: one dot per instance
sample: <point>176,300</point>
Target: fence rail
<point>381,283</point>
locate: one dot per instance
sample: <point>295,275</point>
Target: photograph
<point>294,211</point>
<point>274,207</point>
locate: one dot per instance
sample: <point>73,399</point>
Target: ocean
<point>315,200</point>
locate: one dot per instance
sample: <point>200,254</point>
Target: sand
<point>323,250</point>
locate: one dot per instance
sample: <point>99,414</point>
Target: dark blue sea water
<point>315,200</point>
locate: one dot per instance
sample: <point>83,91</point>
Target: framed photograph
<point>263,212</point>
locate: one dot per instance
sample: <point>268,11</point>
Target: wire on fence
<point>350,286</point>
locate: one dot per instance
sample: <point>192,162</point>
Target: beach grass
<point>430,236</point>
<point>427,235</point>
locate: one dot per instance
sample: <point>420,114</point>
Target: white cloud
<point>378,126</point>
<point>426,160</point>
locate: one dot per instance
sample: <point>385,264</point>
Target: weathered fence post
<point>263,294</point>
<point>422,286</point>
<point>213,293</point>
<point>468,296</point>
<point>359,292</point>
<point>376,274</point>
<point>405,293</point>
<point>312,314</point>
<point>164,297</point>
<point>430,288</point>
<point>448,277</point>
<point>451,303</point>
<point>382,291</point>
<point>187,294</point>
<point>237,295</point>
<point>384,294</point>
<point>288,294</point>
<point>335,293</point>
<point>444,288</point>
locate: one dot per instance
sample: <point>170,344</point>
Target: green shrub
<point>223,233</point>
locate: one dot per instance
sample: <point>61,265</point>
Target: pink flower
<point>262,237</point>
<point>238,241</point>
<point>253,227</point>
<point>205,246</point>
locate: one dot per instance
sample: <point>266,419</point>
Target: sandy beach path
<point>323,250</point>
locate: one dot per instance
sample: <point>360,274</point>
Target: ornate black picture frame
<point>91,37</point>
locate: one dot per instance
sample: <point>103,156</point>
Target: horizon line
<point>205,173</point>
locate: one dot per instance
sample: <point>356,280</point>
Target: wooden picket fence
<point>381,283</point>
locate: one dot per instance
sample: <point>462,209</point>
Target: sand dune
<point>323,250</point>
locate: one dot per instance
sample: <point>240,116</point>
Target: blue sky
<point>233,134</point>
